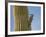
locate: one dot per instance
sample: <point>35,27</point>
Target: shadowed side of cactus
<point>21,18</point>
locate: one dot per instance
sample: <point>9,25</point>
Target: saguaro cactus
<point>21,18</point>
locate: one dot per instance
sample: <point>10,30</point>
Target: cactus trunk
<point>21,18</point>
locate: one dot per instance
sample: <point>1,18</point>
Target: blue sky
<point>36,23</point>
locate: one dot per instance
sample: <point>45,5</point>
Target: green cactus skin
<point>21,18</point>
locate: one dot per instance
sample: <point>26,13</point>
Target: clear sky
<point>36,23</point>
